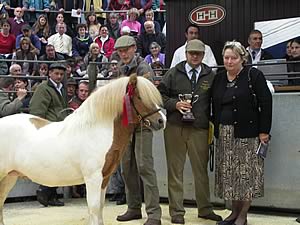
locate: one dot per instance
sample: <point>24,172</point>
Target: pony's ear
<point>133,79</point>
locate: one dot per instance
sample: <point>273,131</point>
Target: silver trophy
<point>188,115</point>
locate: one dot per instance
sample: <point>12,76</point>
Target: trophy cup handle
<point>181,97</point>
<point>195,98</point>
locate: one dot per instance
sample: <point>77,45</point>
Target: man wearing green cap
<point>138,161</point>
<point>185,89</point>
<point>49,102</point>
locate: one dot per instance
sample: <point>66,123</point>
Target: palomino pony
<point>84,148</point>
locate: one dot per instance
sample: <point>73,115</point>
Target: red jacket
<point>108,47</point>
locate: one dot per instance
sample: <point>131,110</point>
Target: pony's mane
<point>106,103</point>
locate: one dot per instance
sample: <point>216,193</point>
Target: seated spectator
<point>7,40</point>
<point>17,22</point>
<point>158,68</point>
<point>146,38</point>
<point>295,56</point>
<point>26,52</point>
<point>42,30</point>
<point>141,6</point>
<point>7,105</point>
<point>95,55</point>
<point>149,15</point>
<point>82,42</point>
<point>22,84</point>
<point>60,19</point>
<point>119,5</point>
<point>93,26</point>
<point>288,54</point>
<point>131,22</point>
<point>113,26</point>
<point>113,71</point>
<point>82,93</point>
<point>3,66</point>
<point>71,89</point>
<point>34,39</point>
<point>15,70</point>
<point>78,67</point>
<point>105,42</point>
<point>155,54</point>
<point>62,42</point>
<point>51,55</point>
<point>42,71</point>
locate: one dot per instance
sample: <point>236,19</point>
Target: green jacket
<point>176,82</point>
<point>8,107</point>
<point>47,102</point>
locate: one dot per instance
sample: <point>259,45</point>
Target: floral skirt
<point>239,171</point>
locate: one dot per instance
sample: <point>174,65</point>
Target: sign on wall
<point>207,15</point>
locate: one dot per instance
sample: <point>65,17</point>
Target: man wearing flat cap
<point>137,161</point>
<point>49,102</point>
<point>186,88</point>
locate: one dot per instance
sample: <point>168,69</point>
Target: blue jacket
<point>34,40</point>
<point>80,47</point>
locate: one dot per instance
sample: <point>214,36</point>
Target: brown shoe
<point>152,222</point>
<point>211,216</point>
<point>178,219</point>
<point>130,215</point>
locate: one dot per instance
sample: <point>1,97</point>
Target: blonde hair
<point>237,48</point>
<point>133,10</point>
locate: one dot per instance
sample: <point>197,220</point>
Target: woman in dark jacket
<point>295,56</point>
<point>242,114</point>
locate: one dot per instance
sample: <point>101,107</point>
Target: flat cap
<point>195,46</point>
<point>26,27</point>
<point>124,41</point>
<point>57,66</point>
<point>71,81</point>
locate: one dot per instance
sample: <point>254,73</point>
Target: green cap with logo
<point>124,42</point>
<point>195,46</point>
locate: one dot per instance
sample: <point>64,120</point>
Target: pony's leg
<point>102,201</point>
<point>6,184</point>
<point>93,196</point>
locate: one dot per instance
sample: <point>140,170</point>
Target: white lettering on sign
<point>209,15</point>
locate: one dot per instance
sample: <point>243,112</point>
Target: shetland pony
<point>84,148</point>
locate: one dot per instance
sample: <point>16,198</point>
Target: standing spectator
<point>8,106</point>
<point>42,30</point>
<point>113,26</point>
<point>97,6</point>
<point>105,42</point>
<point>256,53</point>
<point>295,56</point>
<point>93,26</point>
<point>7,40</point>
<point>26,52</point>
<point>49,102</point>
<point>155,54</point>
<point>241,122</point>
<point>34,5</point>
<point>82,42</point>
<point>146,38</point>
<point>288,54</point>
<point>61,41</point>
<point>137,161</point>
<point>34,39</point>
<point>149,15</point>
<point>192,32</point>
<point>131,22</point>
<point>119,5</point>
<point>17,22</point>
<point>190,137</point>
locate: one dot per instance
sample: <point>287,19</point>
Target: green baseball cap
<point>124,41</point>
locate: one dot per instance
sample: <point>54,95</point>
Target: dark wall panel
<point>239,21</point>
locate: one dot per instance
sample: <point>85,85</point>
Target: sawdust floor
<point>75,213</point>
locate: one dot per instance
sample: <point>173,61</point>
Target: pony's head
<point>141,104</point>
